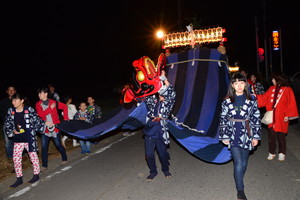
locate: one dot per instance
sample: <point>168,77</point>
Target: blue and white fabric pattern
<point>164,110</point>
<point>228,125</point>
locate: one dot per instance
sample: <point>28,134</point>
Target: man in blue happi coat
<point>159,107</point>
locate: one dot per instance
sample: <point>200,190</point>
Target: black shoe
<point>167,174</point>
<point>151,177</point>
<point>18,182</point>
<point>241,195</point>
<point>34,179</point>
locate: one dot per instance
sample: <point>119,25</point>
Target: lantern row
<point>194,37</point>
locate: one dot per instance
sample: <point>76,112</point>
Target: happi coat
<point>164,112</point>
<point>228,129</point>
<point>286,107</point>
<point>33,124</point>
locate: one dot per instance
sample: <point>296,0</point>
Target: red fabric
<point>286,107</point>
<point>250,82</point>
<point>128,96</point>
<point>53,112</point>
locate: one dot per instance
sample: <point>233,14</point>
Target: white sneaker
<point>271,156</point>
<point>126,134</point>
<point>281,157</point>
<point>75,143</point>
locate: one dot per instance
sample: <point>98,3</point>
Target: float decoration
<point>192,37</point>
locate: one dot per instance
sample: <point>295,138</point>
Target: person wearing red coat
<point>285,110</point>
<point>47,110</point>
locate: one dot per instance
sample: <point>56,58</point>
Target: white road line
<point>24,190</point>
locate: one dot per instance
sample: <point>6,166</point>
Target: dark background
<point>87,47</point>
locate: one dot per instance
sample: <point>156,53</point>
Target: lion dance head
<point>145,79</point>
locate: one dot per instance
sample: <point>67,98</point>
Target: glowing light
<point>160,34</point>
<point>275,36</point>
<point>199,36</point>
<point>234,69</point>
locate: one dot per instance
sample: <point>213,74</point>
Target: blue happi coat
<point>228,125</point>
<point>33,123</point>
<point>164,111</point>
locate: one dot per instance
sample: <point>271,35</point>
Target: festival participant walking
<point>286,109</point>
<point>47,110</point>
<point>5,104</point>
<point>83,114</point>
<point>71,112</point>
<point>155,131</point>
<point>240,127</point>
<point>21,125</point>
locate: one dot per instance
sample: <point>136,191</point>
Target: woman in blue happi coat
<point>159,108</point>
<point>240,127</point>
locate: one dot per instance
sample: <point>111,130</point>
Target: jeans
<point>150,145</point>
<point>85,146</point>
<point>9,145</point>
<point>45,146</point>
<point>240,162</point>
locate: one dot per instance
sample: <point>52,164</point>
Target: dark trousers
<point>152,144</point>
<point>45,146</point>
<point>9,145</point>
<point>273,138</point>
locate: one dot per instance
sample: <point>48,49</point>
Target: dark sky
<point>87,47</point>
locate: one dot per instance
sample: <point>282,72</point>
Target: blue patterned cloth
<point>32,124</point>
<point>231,130</point>
<point>163,111</point>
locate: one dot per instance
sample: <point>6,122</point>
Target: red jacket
<point>286,107</point>
<point>53,112</point>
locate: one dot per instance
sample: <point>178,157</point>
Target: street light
<point>160,34</point>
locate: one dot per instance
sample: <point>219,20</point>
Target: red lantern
<point>260,51</point>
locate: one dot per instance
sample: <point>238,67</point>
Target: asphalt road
<point>116,170</point>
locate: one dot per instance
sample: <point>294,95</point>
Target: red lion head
<point>145,80</point>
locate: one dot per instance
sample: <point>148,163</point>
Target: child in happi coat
<point>83,114</point>
<point>240,127</point>
<point>94,109</point>
<point>21,124</point>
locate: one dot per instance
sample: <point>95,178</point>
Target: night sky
<point>87,47</point>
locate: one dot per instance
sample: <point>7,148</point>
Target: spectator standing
<point>240,127</point>
<point>52,93</point>
<point>47,110</point>
<point>5,104</point>
<point>258,88</point>
<point>286,109</point>
<point>71,112</point>
<point>83,114</point>
<point>94,109</point>
<point>21,125</point>
<point>249,86</point>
